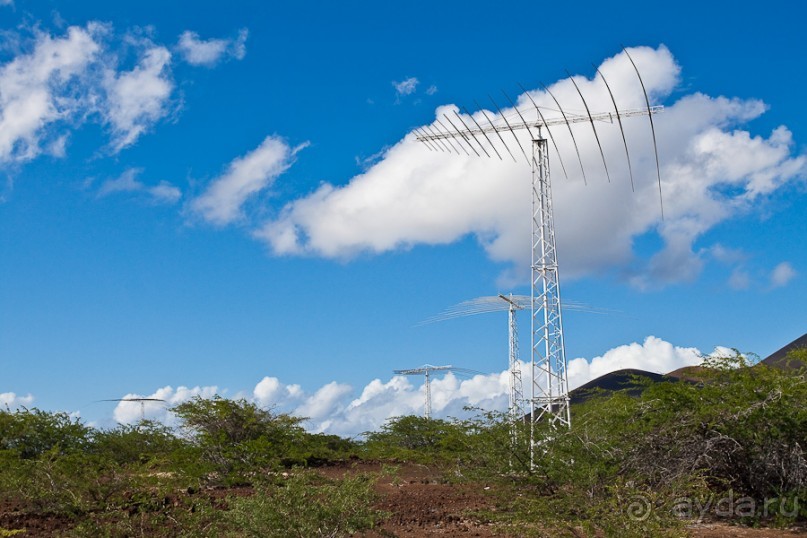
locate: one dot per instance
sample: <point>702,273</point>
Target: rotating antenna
<point>549,399</point>
<point>426,371</point>
<point>142,403</point>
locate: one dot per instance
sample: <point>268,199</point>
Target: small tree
<point>31,432</point>
<point>415,438</point>
<point>237,437</point>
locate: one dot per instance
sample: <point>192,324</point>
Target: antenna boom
<point>536,124</point>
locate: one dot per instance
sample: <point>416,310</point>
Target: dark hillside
<point>779,358</point>
<point>631,380</point>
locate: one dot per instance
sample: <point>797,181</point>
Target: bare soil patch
<point>422,503</point>
<point>418,499</point>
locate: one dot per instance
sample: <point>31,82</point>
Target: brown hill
<point>778,359</point>
<point>634,381</point>
<point>631,380</point>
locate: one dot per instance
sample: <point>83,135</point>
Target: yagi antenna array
<point>549,399</point>
<point>494,303</point>
<point>426,371</point>
<point>474,136</point>
<point>142,403</point>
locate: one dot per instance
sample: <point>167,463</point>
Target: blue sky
<point>228,199</point>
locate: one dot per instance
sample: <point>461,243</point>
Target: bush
<point>31,433</point>
<point>237,438</point>
<point>305,506</point>
<point>413,438</point>
<point>148,443</point>
<point>739,432</point>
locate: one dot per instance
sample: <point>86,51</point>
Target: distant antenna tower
<point>142,404</point>
<point>498,303</point>
<point>426,370</point>
<point>549,397</point>
<point>515,408</point>
<point>512,304</point>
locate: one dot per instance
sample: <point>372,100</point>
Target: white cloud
<point>127,412</point>
<point>36,91</point>
<point>338,408</point>
<point>59,83</point>
<point>710,169</point>
<point>405,87</point>
<point>327,403</point>
<point>654,355</point>
<point>11,400</point>
<point>163,192</point>
<point>209,52</point>
<point>379,401</point>
<point>270,392</point>
<point>782,274</point>
<point>431,90</point>
<point>138,98</point>
<point>246,176</point>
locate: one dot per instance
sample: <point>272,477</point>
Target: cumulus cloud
<point>324,407</point>
<point>782,274</point>
<point>197,51</point>
<point>130,410</point>
<point>138,98</point>
<point>270,392</point>
<point>11,400</point>
<point>38,89</point>
<point>221,203</point>
<point>406,86</point>
<point>654,355</point>
<point>163,192</point>
<point>63,82</point>
<point>711,170</point>
<point>379,400</point>
<point>59,83</point>
<point>338,408</point>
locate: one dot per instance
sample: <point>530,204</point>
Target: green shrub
<point>414,438</point>
<point>144,443</point>
<point>305,506</point>
<point>237,436</point>
<point>31,432</point>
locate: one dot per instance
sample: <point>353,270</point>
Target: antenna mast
<point>550,390</point>
<point>549,387</point>
<point>426,370</point>
<point>142,404</point>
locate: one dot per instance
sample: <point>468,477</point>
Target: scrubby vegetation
<point>731,446</point>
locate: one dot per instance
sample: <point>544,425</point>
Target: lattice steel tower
<point>549,387</point>
<point>515,408</point>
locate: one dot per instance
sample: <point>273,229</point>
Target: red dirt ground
<point>423,505</point>
<point>419,504</point>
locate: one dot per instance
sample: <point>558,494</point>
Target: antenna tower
<point>515,408</point>
<point>549,387</point>
<point>497,303</point>
<point>426,370</point>
<point>142,404</point>
<point>512,303</point>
